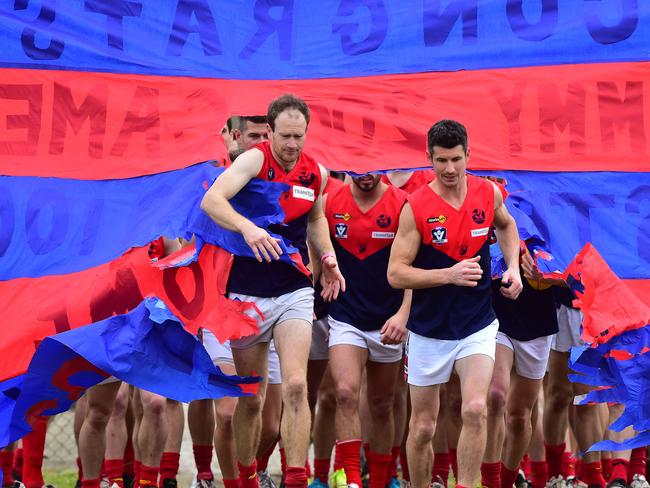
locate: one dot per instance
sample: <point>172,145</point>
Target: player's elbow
<point>395,276</point>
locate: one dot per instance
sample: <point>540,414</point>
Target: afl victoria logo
<point>271,174</point>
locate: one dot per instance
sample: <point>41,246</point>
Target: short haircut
<point>448,134</point>
<point>255,119</point>
<point>286,102</point>
<point>229,123</point>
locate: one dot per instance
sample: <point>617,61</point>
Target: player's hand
<point>394,330</point>
<point>529,267</point>
<point>511,284</point>
<point>466,273</point>
<point>331,279</point>
<point>265,247</point>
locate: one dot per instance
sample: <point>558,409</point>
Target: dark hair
<point>448,134</point>
<point>229,123</point>
<point>255,119</point>
<point>286,102</point>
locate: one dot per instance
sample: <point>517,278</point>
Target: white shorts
<point>219,353</point>
<point>431,361</point>
<point>530,357</point>
<point>275,376</point>
<point>569,321</point>
<point>342,333</point>
<point>319,350</point>
<point>298,305</point>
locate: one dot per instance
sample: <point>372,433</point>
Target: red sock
<point>296,477</point>
<point>18,461</point>
<point>441,463</point>
<point>569,462</point>
<point>33,447</point>
<point>592,474</point>
<point>136,471</point>
<point>491,475</point>
<point>307,468</point>
<point>283,462</point>
<point>524,465</point>
<point>394,455</point>
<point>148,476</point>
<point>620,470</point>
<point>578,466</point>
<point>508,477</point>
<point>263,460</point>
<point>115,471</point>
<point>169,466</point>
<point>461,486</point>
<point>203,460</point>
<point>231,483</point>
<point>248,475</point>
<point>102,471</point>
<point>338,461</point>
<point>606,463</point>
<point>454,462</point>
<point>404,462</point>
<point>80,471</point>
<point>90,483</point>
<point>129,458</point>
<point>321,469</point>
<point>378,469</point>
<point>6,465</point>
<point>554,458</point>
<point>538,473</point>
<point>351,459</point>
<point>637,463</point>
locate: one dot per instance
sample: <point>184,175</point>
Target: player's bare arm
<point>394,330</point>
<point>508,239</point>
<point>318,239</point>
<point>216,204</point>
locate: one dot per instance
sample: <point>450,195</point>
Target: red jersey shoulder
<point>332,184</point>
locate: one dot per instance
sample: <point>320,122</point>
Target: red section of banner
<point>35,308</point>
<point>609,307</point>
<point>549,118</point>
<point>641,288</point>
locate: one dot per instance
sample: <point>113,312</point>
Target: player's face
<point>288,138</point>
<point>449,164</point>
<point>253,134</point>
<point>367,183</point>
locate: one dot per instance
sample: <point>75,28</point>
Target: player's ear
<point>467,154</point>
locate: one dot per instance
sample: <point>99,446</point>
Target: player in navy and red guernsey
<point>282,293</point>
<point>367,321</point>
<point>441,252</point>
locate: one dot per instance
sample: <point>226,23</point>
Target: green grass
<point>65,478</point>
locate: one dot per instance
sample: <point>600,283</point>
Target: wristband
<point>327,255</point>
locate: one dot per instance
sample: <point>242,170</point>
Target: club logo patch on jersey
<point>440,219</point>
<point>346,216</point>
<point>478,215</point>
<point>383,221</point>
<point>306,179</point>
<point>271,174</point>
<point>463,250</point>
<point>304,193</point>
<point>383,235</point>
<point>341,231</point>
<point>483,231</point>
<point>439,235</point>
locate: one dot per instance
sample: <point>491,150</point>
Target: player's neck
<point>399,178</point>
<point>365,200</point>
<point>287,166</point>
<point>453,195</point>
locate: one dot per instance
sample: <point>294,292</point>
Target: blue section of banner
<point>610,210</point>
<point>58,226</point>
<point>289,39</point>
<point>147,348</point>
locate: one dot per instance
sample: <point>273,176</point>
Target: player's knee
<point>474,412</point>
<point>98,416</point>
<point>250,405</point>
<point>294,390</point>
<point>347,397</point>
<point>421,430</point>
<point>381,407</point>
<point>517,421</point>
<point>224,417</point>
<point>496,400</point>
<point>153,405</point>
<point>559,398</point>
